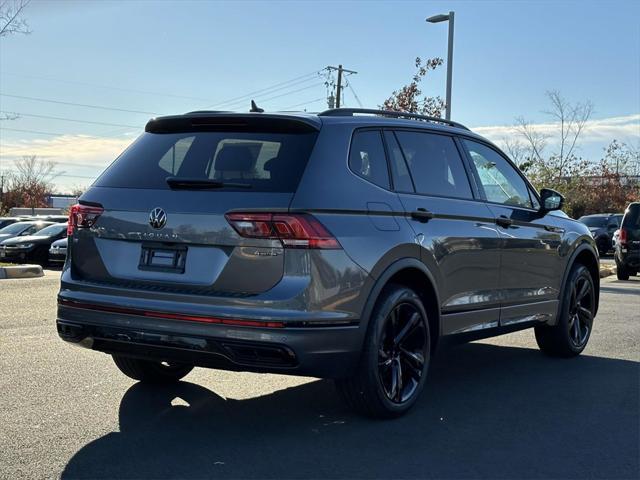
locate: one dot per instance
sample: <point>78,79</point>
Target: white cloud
<point>625,128</point>
<point>69,150</point>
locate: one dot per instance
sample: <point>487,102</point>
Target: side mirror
<point>551,200</point>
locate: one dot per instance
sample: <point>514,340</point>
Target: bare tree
<point>570,119</point>
<point>31,182</point>
<point>11,17</point>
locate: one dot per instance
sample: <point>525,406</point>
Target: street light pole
<point>450,18</point>
<point>450,64</point>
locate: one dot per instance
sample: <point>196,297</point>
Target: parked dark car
<point>627,246</point>
<point>50,218</point>
<point>4,221</point>
<point>22,228</point>
<point>32,248</point>
<point>602,227</point>
<point>58,252</point>
<point>347,244</point>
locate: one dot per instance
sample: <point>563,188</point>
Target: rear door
<point>457,234</point>
<point>175,237</point>
<point>531,266</point>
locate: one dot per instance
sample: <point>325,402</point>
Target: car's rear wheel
<point>571,333</point>
<point>621,272</point>
<point>150,371</point>
<point>394,363</point>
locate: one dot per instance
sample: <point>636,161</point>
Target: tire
<point>621,272</point>
<point>567,338</point>
<point>395,359</point>
<point>149,371</point>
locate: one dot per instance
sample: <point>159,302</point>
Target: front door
<point>531,267</point>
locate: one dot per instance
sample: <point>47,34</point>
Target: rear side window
<point>435,164</point>
<point>266,161</point>
<point>367,157</point>
<point>399,170</point>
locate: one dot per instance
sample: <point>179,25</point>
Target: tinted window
<point>595,222</point>
<point>399,170</point>
<point>632,217</point>
<point>53,230</point>
<point>367,157</point>
<point>500,180</point>
<point>15,228</point>
<point>266,161</point>
<point>435,165</point>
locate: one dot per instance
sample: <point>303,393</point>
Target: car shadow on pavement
<point>487,411</point>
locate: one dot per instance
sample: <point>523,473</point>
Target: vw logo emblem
<point>157,218</point>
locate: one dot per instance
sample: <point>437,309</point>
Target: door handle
<point>422,215</point>
<point>504,221</point>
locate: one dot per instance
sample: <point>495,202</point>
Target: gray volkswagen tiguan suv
<point>347,244</point>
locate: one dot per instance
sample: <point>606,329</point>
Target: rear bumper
<point>630,259</point>
<point>328,352</point>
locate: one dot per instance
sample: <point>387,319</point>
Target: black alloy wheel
<point>581,312</point>
<point>402,352</point>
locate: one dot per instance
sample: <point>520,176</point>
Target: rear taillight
<point>82,216</point>
<point>622,237</point>
<point>293,230</point>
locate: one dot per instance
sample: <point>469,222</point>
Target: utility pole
<point>339,86</point>
<point>1,192</point>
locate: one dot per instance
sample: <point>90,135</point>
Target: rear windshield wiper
<point>201,183</point>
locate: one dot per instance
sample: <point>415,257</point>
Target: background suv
<point>345,244</point>
<point>627,245</point>
<point>602,227</point>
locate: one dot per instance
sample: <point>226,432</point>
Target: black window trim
<point>530,188</point>
<point>474,193</point>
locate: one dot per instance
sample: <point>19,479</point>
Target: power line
<point>262,90</point>
<point>100,107</point>
<point>71,82</point>
<point>354,93</point>
<point>292,92</point>
<point>303,103</point>
<point>38,132</point>
<point>258,97</point>
<point>71,119</point>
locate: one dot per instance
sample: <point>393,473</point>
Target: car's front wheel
<point>150,371</point>
<point>569,336</point>
<point>395,359</point>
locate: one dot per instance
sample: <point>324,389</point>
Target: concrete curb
<point>606,270</point>
<point>21,271</point>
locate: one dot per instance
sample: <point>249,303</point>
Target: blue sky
<point>171,57</point>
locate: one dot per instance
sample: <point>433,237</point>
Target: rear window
<point>271,162</point>
<point>632,217</point>
<point>594,222</point>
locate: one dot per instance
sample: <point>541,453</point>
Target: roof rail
<point>349,112</point>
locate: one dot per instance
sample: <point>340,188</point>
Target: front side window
<point>367,157</point>
<point>499,179</point>
<point>435,165</point>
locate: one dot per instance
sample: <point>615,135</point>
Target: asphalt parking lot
<point>491,409</point>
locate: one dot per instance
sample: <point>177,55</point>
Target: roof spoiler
<point>204,121</point>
